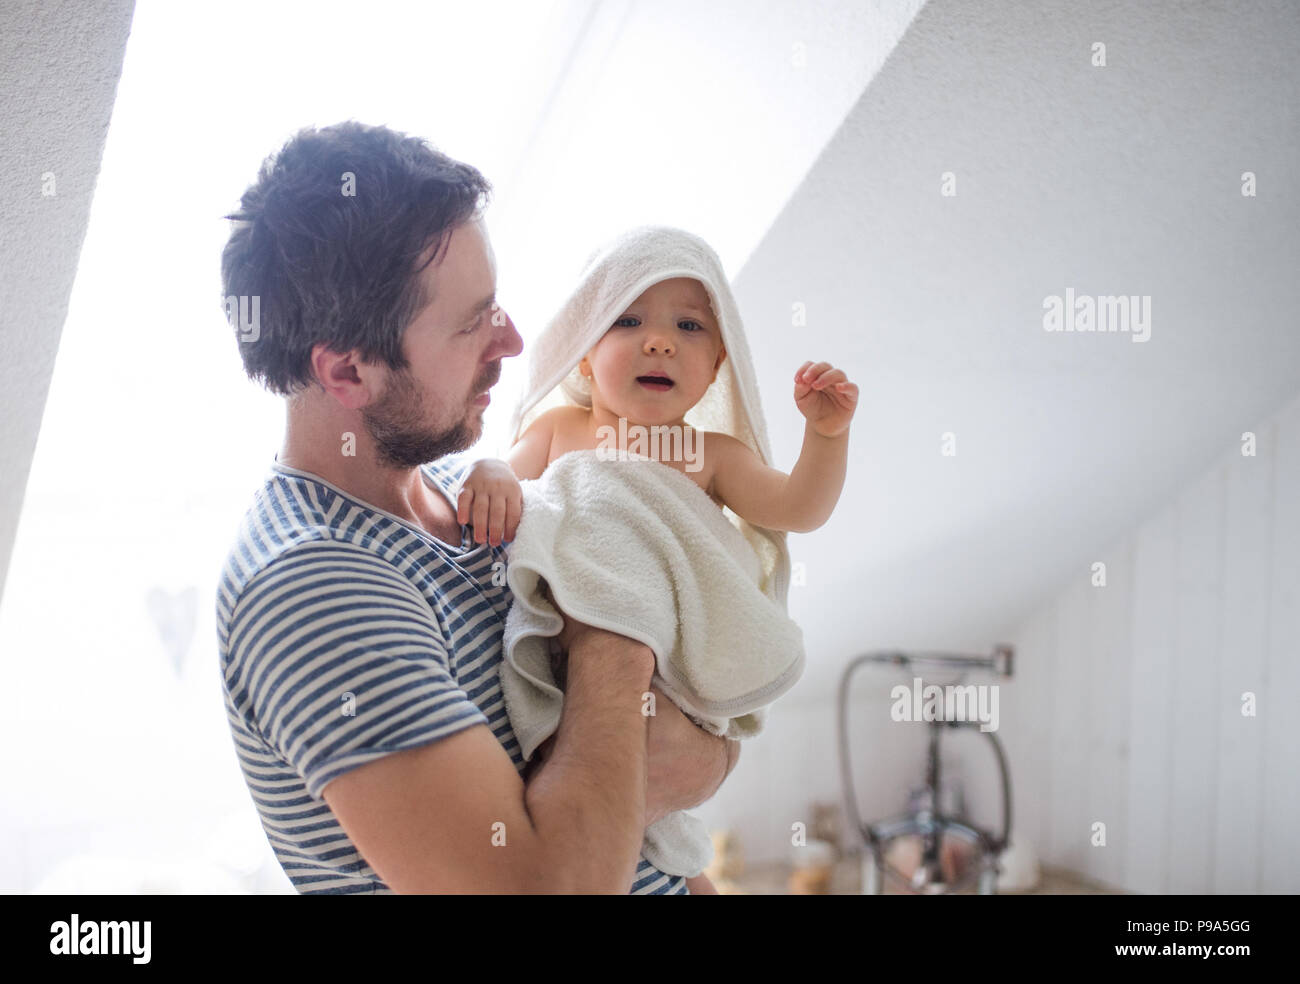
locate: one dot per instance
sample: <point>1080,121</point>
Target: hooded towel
<point>613,278</point>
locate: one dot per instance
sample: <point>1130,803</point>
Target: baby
<point>648,369</point>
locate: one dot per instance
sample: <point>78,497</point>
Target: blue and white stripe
<point>346,634</point>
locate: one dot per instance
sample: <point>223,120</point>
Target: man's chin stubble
<point>401,445</point>
<point>397,448</point>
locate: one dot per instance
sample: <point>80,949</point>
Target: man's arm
<point>701,885</point>
<point>454,816</point>
<point>686,764</point>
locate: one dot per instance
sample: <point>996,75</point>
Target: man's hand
<point>685,764</point>
<point>701,885</point>
<point>491,501</point>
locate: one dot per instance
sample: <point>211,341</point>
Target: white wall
<point>1125,705</point>
<point>1126,708</point>
<point>59,68</point>
<point>1121,180</point>
<point>1127,178</point>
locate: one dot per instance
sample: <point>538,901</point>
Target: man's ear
<point>351,382</point>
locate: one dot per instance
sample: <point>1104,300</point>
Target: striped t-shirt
<point>346,634</point>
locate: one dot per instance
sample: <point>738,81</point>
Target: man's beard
<point>397,425</point>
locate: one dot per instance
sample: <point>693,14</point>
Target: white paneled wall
<point>1126,708</point>
<point>1279,867</point>
<point>1248,537</point>
<point>794,764</point>
<point>1151,720</point>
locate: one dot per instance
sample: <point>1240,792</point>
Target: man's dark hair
<point>337,260</point>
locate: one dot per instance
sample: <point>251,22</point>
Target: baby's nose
<point>658,345</point>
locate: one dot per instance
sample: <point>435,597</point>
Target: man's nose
<point>513,342</point>
<point>656,344</point>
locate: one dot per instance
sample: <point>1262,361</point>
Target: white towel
<point>736,681</point>
<point>636,547</point>
<point>615,275</point>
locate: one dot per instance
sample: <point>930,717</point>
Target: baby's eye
<point>698,326</point>
<point>619,322</point>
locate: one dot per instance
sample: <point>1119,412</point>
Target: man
<point>359,623</point>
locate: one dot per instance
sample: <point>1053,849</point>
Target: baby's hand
<point>826,397</point>
<point>492,496</point>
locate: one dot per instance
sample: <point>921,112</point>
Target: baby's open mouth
<point>660,383</point>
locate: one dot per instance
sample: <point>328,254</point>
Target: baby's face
<point>670,330</point>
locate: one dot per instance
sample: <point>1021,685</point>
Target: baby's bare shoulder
<point>570,422</point>
<point>723,454</point>
<point>566,413</point>
<point>558,419</point>
<point>723,445</point>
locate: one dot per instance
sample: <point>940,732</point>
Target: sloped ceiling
<point>1123,179</point>
<point>59,66</point>
<point>593,115</point>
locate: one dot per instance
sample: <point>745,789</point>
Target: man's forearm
<point>700,762</point>
<point>587,801</point>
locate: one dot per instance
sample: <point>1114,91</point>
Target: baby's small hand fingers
<point>816,369</point>
<point>496,520</point>
<point>480,523</point>
<point>803,380</point>
<point>463,502</point>
<point>828,377</point>
<point>848,390</point>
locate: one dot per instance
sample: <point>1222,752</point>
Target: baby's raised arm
<point>803,500</point>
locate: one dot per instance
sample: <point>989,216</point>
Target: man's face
<point>455,346</point>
